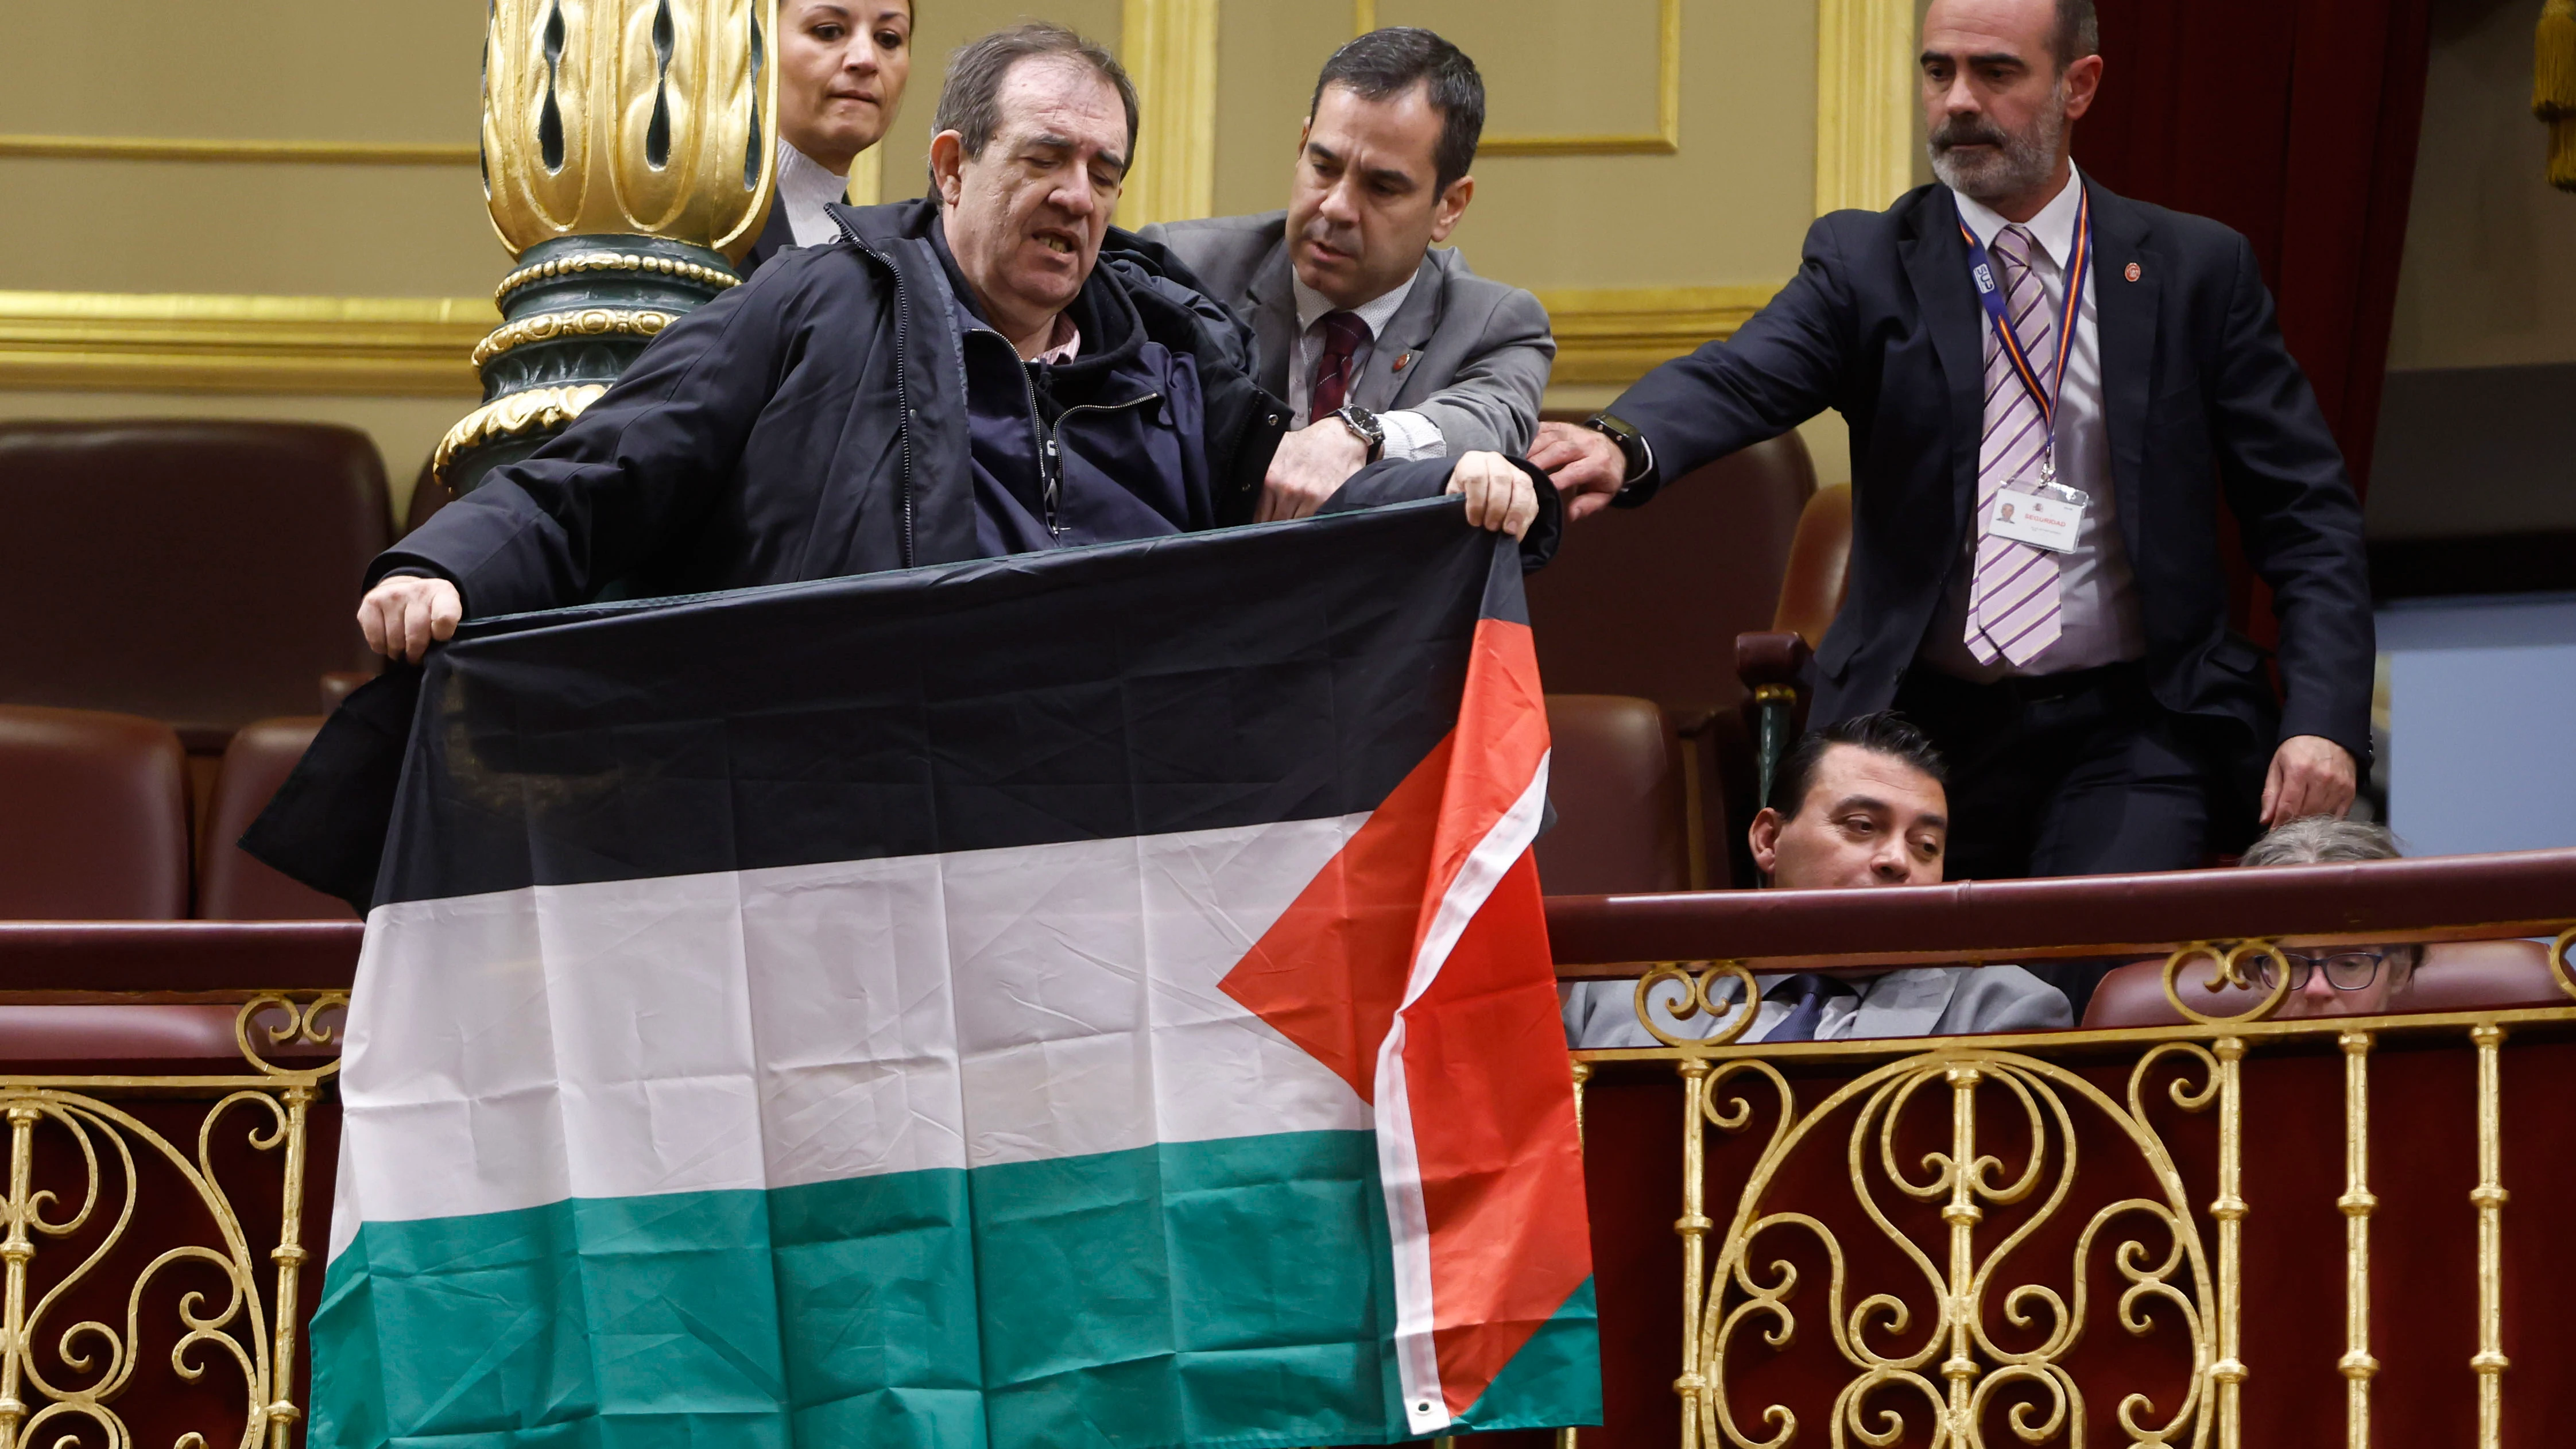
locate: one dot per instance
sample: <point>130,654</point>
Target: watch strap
<point>1364,426</point>
<point>1639,482</point>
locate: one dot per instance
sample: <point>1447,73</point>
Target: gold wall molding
<point>867,177</point>
<point>1664,140</point>
<point>1614,335</point>
<point>116,342</point>
<point>422,347</point>
<point>1169,49</point>
<point>175,148</point>
<point>1864,103</point>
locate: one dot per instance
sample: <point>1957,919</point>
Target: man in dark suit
<point>1382,346</point>
<point>2076,667</point>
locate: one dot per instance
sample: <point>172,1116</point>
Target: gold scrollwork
<point>1959,1364</point>
<point>588,322</point>
<point>1696,1000</point>
<point>2561,964</point>
<point>613,262</point>
<point>302,1026</point>
<point>521,412</point>
<point>2228,971</point>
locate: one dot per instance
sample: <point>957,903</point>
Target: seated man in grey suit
<point>1382,346</point>
<point>1859,803</point>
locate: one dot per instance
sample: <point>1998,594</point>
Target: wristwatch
<point>1640,482</point>
<point>1364,426</point>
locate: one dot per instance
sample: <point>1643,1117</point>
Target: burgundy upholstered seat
<point>202,572</point>
<point>2455,976</point>
<point>1614,778</point>
<point>231,886</point>
<point>1648,602</point>
<point>93,817</point>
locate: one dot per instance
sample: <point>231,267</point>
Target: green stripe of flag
<point>1201,1293</point>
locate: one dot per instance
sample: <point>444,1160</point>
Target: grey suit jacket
<point>1475,354</point>
<point>1919,1001</point>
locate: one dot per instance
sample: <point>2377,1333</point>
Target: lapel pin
<point>1402,360</point>
<point>2132,272</point>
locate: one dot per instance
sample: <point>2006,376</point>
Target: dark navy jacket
<point>812,423</point>
<point>2206,409</point>
<point>808,424</point>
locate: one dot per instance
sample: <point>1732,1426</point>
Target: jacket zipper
<point>1051,463</point>
<point>902,392</point>
<point>1044,437</point>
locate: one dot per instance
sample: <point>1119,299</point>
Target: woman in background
<point>842,65</point>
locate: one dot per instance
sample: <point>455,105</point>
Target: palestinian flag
<point>1094,999</point>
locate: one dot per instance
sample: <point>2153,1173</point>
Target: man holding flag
<point>959,377</point>
<point>998,1005</point>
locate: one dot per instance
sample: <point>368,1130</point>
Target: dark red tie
<point>1344,334</point>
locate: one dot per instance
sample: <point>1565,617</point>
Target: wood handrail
<point>174,960</point>
<point>2521,893</point>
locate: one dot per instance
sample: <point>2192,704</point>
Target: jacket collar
<point>1111,330</point>
<point>1936,263</point>
<point>2124,236</point>
<point>1402,339</point>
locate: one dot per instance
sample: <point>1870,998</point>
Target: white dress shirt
<point>805,188</point>
<point>2098,593</point>
<point>1408,434</point>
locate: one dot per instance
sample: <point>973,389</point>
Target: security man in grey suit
<point>1858,803</point>
<point>1382,346</point>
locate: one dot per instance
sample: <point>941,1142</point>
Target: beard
<point>2017,164</point>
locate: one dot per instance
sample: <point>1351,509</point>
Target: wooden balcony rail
<point>2170,1235</point>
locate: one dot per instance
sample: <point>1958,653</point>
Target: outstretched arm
<point>1782,367</point>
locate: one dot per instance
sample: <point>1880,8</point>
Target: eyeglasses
<point>2345,970</point>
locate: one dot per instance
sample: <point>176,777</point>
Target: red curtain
<point>2293,121</point>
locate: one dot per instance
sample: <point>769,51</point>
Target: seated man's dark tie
<point>1344,335</point>
<point>1807,992</point>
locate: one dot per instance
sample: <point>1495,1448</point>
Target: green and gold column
<point>628,151</point>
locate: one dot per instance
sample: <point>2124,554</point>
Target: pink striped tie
<point>2013,604</point>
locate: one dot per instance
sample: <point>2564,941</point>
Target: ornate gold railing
<point>162,1202</point>
<point>81,1187</point>
<point>2044,1239</point>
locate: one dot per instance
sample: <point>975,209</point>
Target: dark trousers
<point>2078,774</point>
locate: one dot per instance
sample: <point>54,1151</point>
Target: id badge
<point>2044,515</point>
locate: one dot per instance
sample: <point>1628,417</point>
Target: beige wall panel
<point>172,226</point>
<point>285,70</point>
<point>1267,54</point>
<point>1729,209</point>
<point>2490,272</point>
<point>1547,75</point>
<point>946,25</point>
<point>270,70</point>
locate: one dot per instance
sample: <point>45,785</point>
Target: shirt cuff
<point>1410,436</point>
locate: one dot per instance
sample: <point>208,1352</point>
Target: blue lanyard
<point>1981,270</point>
